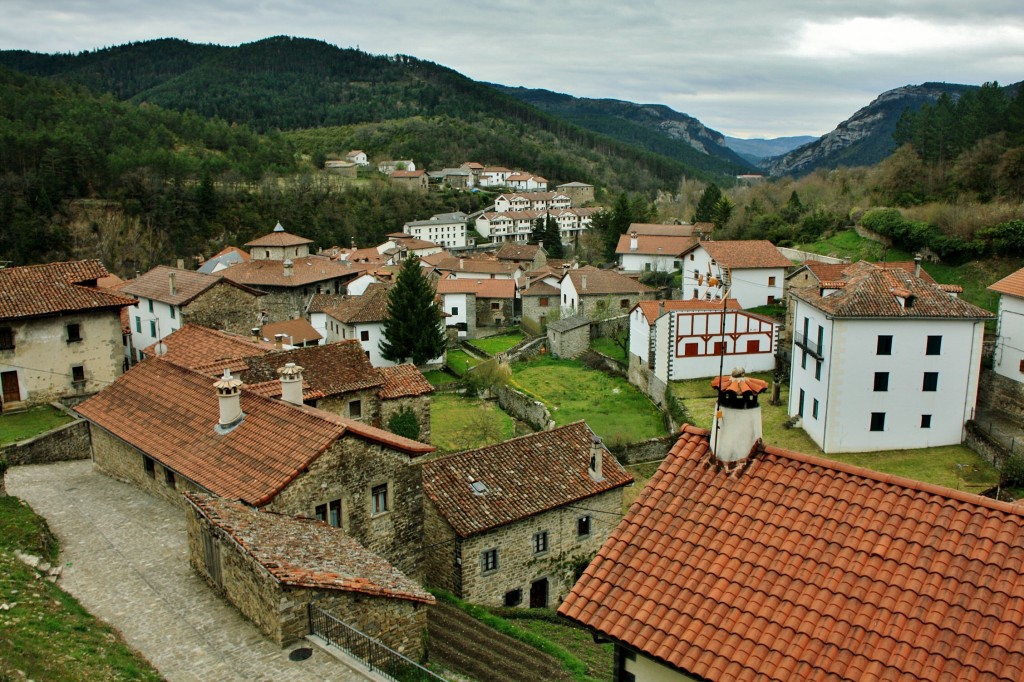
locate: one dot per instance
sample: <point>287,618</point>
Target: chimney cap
<point>290,370</point>
<point>227,382</point>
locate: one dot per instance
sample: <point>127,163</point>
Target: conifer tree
<point>705,212</point>
<point>412,329</point>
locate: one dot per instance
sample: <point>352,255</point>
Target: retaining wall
<point>643,451</point>
<point>524,408</point>
<point>62,444</point>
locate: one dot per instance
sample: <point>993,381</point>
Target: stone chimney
<point>291,383</point>
<point>279,341</point>
<point>289,268</point>
<point>255,331</point>
<point>583,285</point>
<point>634,241</point>
<point>917,265</point>
<point>181,263</point>
<point>736,428</point>
<point>229,393</point>
<point>596,458</point>
<point>171,284</point>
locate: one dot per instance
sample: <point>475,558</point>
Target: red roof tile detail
<point>279,238</point>
<point>517,252</point>
<point>1011,284</point>
<point>205,350</point>
<point>296,331</point>
<point>482,288</point>
<point>652,310</point>
<point>331,369</point>
<point>654,245</point>
<point>403,381</point>
<point>542,289</point>
<point>746,253</point>
<point>54,288</point>
<point>307,270</point>
<point>307,553</point>
<point>523,477</point>
<point>802,568</point>
<point>188,284</point>
<point>371,306</point>
<point>665,230</point>
<point>602,282</point>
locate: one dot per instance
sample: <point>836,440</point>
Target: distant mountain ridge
<point>755,149</point>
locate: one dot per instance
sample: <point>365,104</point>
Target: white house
<point>494,176</point>
<point>753,271</point>
<point>595,293</point>
<point>1009,356</point>
<point>358,156</point>
<point>884,360</point>
<point>526,182</point>
<point>389,167</point>
<point>517,226</point>
<point>534,201</point>
<point>687,339</point>
<point>446,229</point>
<point>647,253</point>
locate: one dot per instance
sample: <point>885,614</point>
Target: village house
<point>532,201</point>
<point>474,268</point>
<point>494,176</point>
<point>651,253</point>
<point>698,230</point>
<point>225,258</point>
<point>1009,351</point>
<point>884,360</point>
<point>578,192</point>
<point>274,568</point>
<point>525,182</point>
<point>529,256</point>
<point>499,532</point>
<point>476,304</point>
<point>517,226</point>
<point>295,333</point>
<point>456,178</point>
<point>401,245</point>
<point>60,335</point>
<point>569,337</point>
<point>344,168</point>
<point>410,179</point>
<point>742,561</point>
<point>676,340</point>
<point>541,304</point>
<point>168,430</point>
<point>446,229</point>
<point>358,156</point>
<point>598,293</point>
<point>751,271</point>
<point>389,167</point>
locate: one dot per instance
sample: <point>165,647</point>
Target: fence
<point>376,656</point>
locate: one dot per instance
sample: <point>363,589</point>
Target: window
<point>364,335</point>
<point>800,404</point>
<point>881,381</point>
<point>884,346</point>
<point>495,305</point>
<point>814,409</point>
<point>695,294</point>
<point>6,338</point>
<point>78,375</point>
<point>150,301</point>
<point>543,303</point>
<point>379,495</point>
<point>171,308</point>
<point>152,328</point>
<point>514,597</point>
<point>149,466</point>
<point>931,381</point>
<point>624,303</point>
<point>489,560</point>
<point>74,332</point>
<point>817,371</point>
<point>583,526</point>
<point>878,421</point>
<point>690,350</point>
<point>926,421</point>
<point>803,360</point>
<point>934,346</point>
<point>753,345</point>
<point>540,542</point>
<point>138,324</point>
<point>329,512</point>
<point>169,478</point>
<point>355,409</point>
<point>720,348</point>
<point>771,281</point>
<point>771,300</point>
<point>455,310</point>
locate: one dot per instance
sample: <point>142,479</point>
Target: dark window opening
<point>169,478</point>
<point>540,542</point>
<point>931,381</point>
<point>379,494</point>
<point>514,597</point>
<point>355,409</point>
<point>78,375</point>
<point>149,466</point>
<point>878,421</point>
<point>881,381</point>
<point>6,338</point>
<point>364,335</point>
<point>583,526</point>
<point>489,560</point>
<point>934,345</point>
<point>884,346</point>
<point>926,421</point>
<point>74,333</point>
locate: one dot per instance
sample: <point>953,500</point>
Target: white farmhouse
<point>752,271</point>
<point>1009,356</point>
<point>647,253</point>
<point>884,360</point>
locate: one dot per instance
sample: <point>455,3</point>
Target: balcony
<point>812,347</point>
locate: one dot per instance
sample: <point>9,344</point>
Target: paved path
<point>125,559</point>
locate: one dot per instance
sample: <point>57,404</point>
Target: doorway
<point>11,390</point>
<point>539,594</point>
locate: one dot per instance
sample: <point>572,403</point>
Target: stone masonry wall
<point>518,566</point>
<point>651,450</point>
<point>442,553</point>
<point>643,378</point>
<point>340,405</point>
<point>119,460</point>
<point>420,406</point>
<point>224,307</point>
<point>569,344</point>
<point>1001,394</point>
<point>524,408</point>
<point>486,314</point>
<point>62,444</point>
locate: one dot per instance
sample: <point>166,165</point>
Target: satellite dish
<point>161,349</point>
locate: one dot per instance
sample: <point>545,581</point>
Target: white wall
<point>750,286</point>
<point>456,305</point>
<point>646,669</point>
<point>165,320</point>
<point>1010,345</point>
<point>637,262</point>
<point>741,329</point>
<point>639,334</point>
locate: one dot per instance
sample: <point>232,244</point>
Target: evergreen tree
<point>545,229</point>
<point>705,212</point>
<point>412,329</point>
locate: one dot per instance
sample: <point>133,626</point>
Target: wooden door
<point>539,594</point>
<point>11,390</point>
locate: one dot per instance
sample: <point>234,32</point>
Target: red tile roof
<point>371,306</point>
<point>654,245</point>
<point>745,253</point>
<point>652,310</point>
<point>403,381</point>
<point>188,284</point>
<point>662,230</point>
<point>331,369</point>
<point>542,288</point>
<point>517,252</point>
<point>475,265</point>
<point>208,351</point>
<point>279,238</point>
<point>802,568</point>
<point>601,282</point>
<point>296,331</point>
<point>408,174</point>
<point>169,413</point>
<point>55,288</point>
<point>307,553</point>
<point>523,477</point>
<point>482,288</point>
<point>307,270</point>
<point>1011,284</point>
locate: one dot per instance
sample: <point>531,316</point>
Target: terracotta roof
<point>408,174</point>
<point>296,331</point>
<point>331,369</point>
<point>799,568</point>
<point>307,553</point>
<point>654,229</point>
<point>654,245</point>
<point>207,350</point>
<point>55,288</point>
<point>232,251</point>
<point>307,270</point>
<point>273,389</point>
<point>485,266</point>
<point>907,266</point>
<point>533,196</point>
<point>872,291</point>
<point>523,477</point>
<point>279,238</point>
<point>403,381</point>
<point>542,289</point>
<point>652,310</point>
<point>371,306</point>
<point>188,284</point>
<point>482,288</point>
<point>745,253</point>
<point>600,282</point>
<point>513,251</point>
<point>1011,284</point>
<point>824,272</point>
<point>413,448</point>
<point>368,255</point>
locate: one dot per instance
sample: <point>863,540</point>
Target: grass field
<point>613,408</point>
<point>438,377</point>
<point>579,642</point>
<point>493,345</point>
<point>608,347</point>
<point>458,423</point>
<point>460,362</point>
<point>22,425</point>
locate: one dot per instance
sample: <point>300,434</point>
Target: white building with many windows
<point>445,229</point>
<point>752,271</point>
<point>884,360</point>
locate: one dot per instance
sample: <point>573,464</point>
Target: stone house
<point>489,302</point>
<point>60,335</point>
<point>415,179</point>
<point>541,304</point>
<point>599,294</point>
<point>529,256</point>
<point>168,430</point>
<point>272,567</point>
<point>296,333</point>
<point>578,192</point>
<point>569,336</point>
<point>511,524</point>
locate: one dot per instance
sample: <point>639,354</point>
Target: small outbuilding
<point>569,337</point>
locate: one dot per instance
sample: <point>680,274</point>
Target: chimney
<point>181,263</point>
<point>279,341</point>
<point>289,268</point>
<point>596,458</point>
<point>736,428</point>
<point>229,393</point>
<point>661,308</point>
<point>462,263</point>
<point>255,331</point>
<point>291,383</point>
<point>170,283</point>
<point>583,286</point>
<point>917,265</point>
<point>634,241</point>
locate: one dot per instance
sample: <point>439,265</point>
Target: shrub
<point>1012,473</point>
<point>404,423</point>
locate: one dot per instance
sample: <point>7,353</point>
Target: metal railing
<point>811,347</point>
<point>378,657</point>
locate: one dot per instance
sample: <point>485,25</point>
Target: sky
<point>747,68</point>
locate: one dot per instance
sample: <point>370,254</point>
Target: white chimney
<point>181,263</point>
<point>917,265</point>
<point>583,286</point>
<point>596,458</point>
<point>289,268</point>
<point>291,383</point>
<point>170,283</point>
<point>255,331</point>
<point>634,242</point>
<point>462,263</point>
<point>229,393</point>
<point>736,427</point>
<point>279,341</point>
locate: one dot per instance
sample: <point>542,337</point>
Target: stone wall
<point>524,408</point>
<point>119,460</point>
<point>420,406</point>
<point>226,307</point>
<point>569,344</point>
<point>443,553</point>
<point>526,349</point>
<point>1001,394</point>
<point>488,316</point>
<point>985,445</point>
<point>534,311</point>
<point>651,450</point>
<point>341,404</point>
<point>62,444</point>
<point>643,378</point>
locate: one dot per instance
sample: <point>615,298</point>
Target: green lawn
<point>613,408</point>
<point>439,377</point>
<point>36,420</point>
<point>459,361</point>
<point>458,423</point>
<point>608,347</point>
<point>46,634</point>
<point>849,244</point>
<point>493,345</point>
<point>579,642</point>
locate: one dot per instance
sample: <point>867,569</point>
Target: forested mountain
<point>755,149</point>
<point>653,127</point>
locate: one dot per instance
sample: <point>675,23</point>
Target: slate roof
<point>169,413</point>
<point>569,323</point>
<point>296,331</point>
<point>654,245</point>
<point>482,288</point>
<point>306,270</point>
<point>652,310</point>
<point>208,351</point>
<point>800,568</point>
<point>745,253</point>
<point>602,282</point>
<point>871,291</point>
<point>1012,284</point>
<point>402,381</point>
<point>524,477</point>
<point>331,369</point>
<point>306,553</point>
<point>55,288</point>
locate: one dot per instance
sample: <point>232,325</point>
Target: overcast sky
<point>747,68</point>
